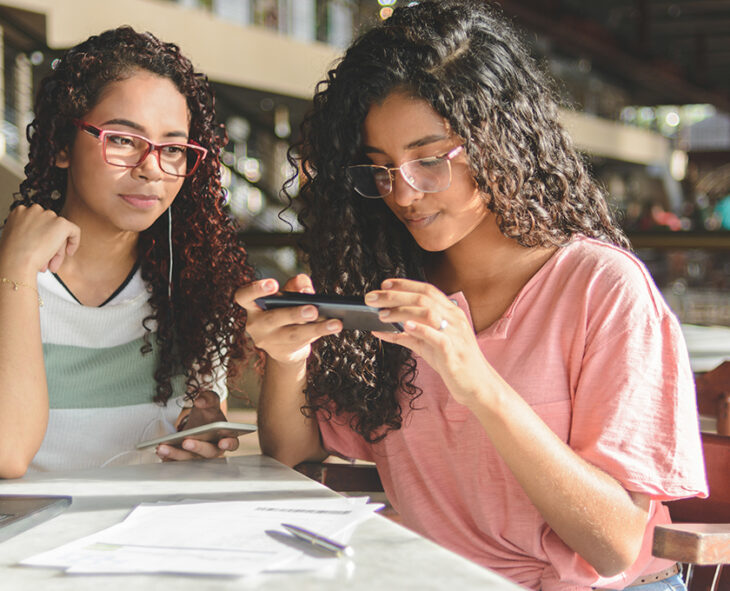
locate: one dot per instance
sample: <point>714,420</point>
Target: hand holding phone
<point>351,310</point>
<point>212,432</point>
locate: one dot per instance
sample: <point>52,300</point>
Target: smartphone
<point>352,310</point>
<point>212,432</point>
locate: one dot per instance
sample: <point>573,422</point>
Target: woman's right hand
<point>35,239</point>
<point>286,334</point>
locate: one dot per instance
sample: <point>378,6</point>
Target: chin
<point>433,246</point>
<point>138,225</point>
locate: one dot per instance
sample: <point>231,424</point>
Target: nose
<point>149,168</point>
<point>402,192</point>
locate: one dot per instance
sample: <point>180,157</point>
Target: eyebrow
<point>424,141</point>
<point>138,127</point>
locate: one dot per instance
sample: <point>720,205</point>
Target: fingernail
<point>409,325</point>
<point>371,297</point>
<point>269,286</point>
<point>309,312</point>
<point>189,445</point>
<point>224,445</point>
<point>163,451</point>
<point>387,284</point>
<point>333,325</point>
<point>384,313</point>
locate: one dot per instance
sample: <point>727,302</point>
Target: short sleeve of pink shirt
<point>590,344</point>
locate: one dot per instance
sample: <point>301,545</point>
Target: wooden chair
<point>347,477</point>
<point>713,396</point>
<point>343,477</point>
<point>700,534</point>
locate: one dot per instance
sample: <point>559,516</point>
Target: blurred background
<point>646,82</point>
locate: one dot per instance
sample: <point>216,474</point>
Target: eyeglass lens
<point>428,175</point>
<point>129,151</point>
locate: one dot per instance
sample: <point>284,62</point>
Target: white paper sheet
<point>231,538</point>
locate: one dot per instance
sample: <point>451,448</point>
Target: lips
<point>419,220</point>
<point>139,201</point>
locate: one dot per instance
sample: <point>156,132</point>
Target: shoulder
<point>608,272</point>
<point>604,259</point>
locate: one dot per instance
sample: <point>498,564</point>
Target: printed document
<point>225,538</point>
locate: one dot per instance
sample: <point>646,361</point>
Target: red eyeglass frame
<point>100,134</point>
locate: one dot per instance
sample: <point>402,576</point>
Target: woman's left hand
<point>206,409</point>
<point>438,331</point>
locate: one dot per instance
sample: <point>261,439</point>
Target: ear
<point>63,159</point>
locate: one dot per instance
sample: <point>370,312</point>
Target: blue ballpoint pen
<point>317,540</point>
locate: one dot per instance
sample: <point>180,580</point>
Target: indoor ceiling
<point>660,51</point>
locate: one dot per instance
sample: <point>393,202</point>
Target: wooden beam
<point>248,56</point>
<point>611,139</point>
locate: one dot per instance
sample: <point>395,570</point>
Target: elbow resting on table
<point>13,466</point>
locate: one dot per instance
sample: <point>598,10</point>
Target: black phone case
<point>351,310</point>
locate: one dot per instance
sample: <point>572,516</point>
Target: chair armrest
<point>694,543</point>
<point>343,477</point>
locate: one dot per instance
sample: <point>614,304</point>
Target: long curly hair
<point>471,67</point>
<point>199,328</point>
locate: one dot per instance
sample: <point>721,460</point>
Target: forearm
<point>284,432</point>
<point>588,509</point>
<point>24,393</point>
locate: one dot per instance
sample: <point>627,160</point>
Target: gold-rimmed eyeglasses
<point>427,175</point>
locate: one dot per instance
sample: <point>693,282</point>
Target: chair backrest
<point>343,477</point>
<point>713,396</point>
<point>716,507</point>
<point>689,541</point>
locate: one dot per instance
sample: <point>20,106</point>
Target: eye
<point>430,162</point>
<point>120,140</point>
<point>175,149</point>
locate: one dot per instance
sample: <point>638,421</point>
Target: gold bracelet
<point>17,284</point>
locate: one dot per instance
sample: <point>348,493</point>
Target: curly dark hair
<point>471,67</point>
<point>200,327</point>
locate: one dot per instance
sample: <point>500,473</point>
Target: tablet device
<point>352,310</point>
<point>211,432</point>
<point>21,512</point>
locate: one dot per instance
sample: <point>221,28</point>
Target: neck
<point>102,262</point>
<point>102,247</point>
<point>489,269</point>
<point>103,255</point>
<point>483,257</point>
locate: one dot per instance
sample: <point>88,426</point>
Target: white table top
<point>387,556</point>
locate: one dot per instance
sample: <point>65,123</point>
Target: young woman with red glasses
<point>118,263</point>
<point>538,406</point>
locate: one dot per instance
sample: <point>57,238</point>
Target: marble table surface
<point>387,555</point>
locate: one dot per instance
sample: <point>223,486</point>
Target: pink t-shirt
<point>590,344</point>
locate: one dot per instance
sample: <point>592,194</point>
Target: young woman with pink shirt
<point>538,406</point>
